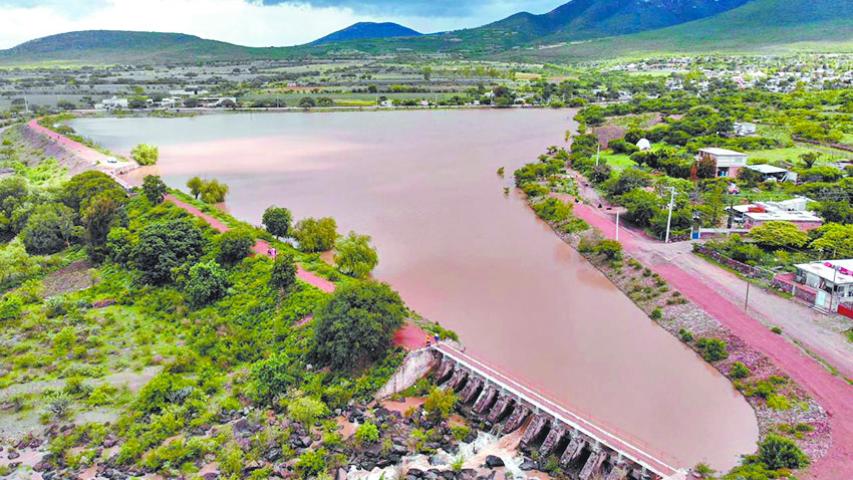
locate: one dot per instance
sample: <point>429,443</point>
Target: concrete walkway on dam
<point>510,399</point>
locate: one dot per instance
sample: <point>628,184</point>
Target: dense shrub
<point>164,246</point>
<point>49,229</point>
<point>283,276</point>
<point>274,376</point>
<point>207,282</point>
<point>440,402</point>
<point>779,452</point>
<point>712,349</point>
<point>235,245</point>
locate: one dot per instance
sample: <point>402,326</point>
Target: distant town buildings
<point>114,103</point>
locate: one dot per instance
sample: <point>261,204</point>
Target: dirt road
<point>703,289</point>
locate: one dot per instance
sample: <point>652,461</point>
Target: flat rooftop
<point>723,152</point>
<point>825,270</point>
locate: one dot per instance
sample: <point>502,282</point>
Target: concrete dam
<point>585,450</point>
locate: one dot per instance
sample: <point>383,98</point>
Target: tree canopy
<point>356,325</point>
<point>145,154</point>
<point>779,235</point>
<point>277,221</point>
<point>164,246</point>
<point>355,256</point>
<point>316,235</point>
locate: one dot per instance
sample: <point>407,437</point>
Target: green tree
<point>283,276</point>
<point>356,325</point>
<point>277,221</point>
<point>49,229</point>
<point>307,102</point>
<point>145,154</point>
<point>235,245</point>
<point>642,206</point>
<point>195,185</point>
<point>100,216</point>
<point>834,240</point>
<point>164,246</point>
<point>316,235</point>
<point>354,255</point>
<point>779,452</point>
<point>779,235</point>
<point>154,189</point>
<point>213,191</point>
<point>207,283</point>
<point>83,188</point>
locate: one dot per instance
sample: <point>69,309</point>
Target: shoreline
<point>587,258</point>
<point>674,317</point>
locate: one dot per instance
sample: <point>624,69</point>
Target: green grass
<point>617,161</point>
<point>792,154</point>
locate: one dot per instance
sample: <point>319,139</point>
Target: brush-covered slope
<point>368,30</point>
<point>758,26</point>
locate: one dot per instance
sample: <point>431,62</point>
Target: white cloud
<point>245,22</point>
<point>229,20</point>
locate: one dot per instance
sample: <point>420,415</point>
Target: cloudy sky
<point>257,23</point>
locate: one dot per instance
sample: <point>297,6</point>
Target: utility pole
<point>598,155</point>
<point>669,217</point>
<point>617,225</point>
<point>746,302</point>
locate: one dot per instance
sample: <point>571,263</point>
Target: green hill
<point>772,26</point>
<point>113,46</point>
<point>578,30</point>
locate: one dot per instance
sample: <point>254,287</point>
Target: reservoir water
<point>423,184</point>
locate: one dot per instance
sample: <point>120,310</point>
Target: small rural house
<point>729,162</point>
<point>771,173</point>
<point>832,281</point>
<point>744,129</point>
<point>793,210</point>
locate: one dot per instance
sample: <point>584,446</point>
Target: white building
<point>114,103</point>
<point>793,210</point>
<point>832,279</point>
<point>744,129</point>
<point>729,162</point>
<point>769,172</point>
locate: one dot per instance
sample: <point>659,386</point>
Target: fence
<point>740,267</point>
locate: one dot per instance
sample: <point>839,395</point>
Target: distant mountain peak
<point>368,30</point>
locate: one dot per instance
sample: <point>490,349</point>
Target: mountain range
<point>579,29</point>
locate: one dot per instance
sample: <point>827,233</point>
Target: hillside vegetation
<point>578,30</point>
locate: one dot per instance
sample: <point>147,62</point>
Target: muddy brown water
<point>424,186</point>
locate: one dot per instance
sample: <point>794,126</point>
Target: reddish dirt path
<point>410,337</point>
<point>833,393</point>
